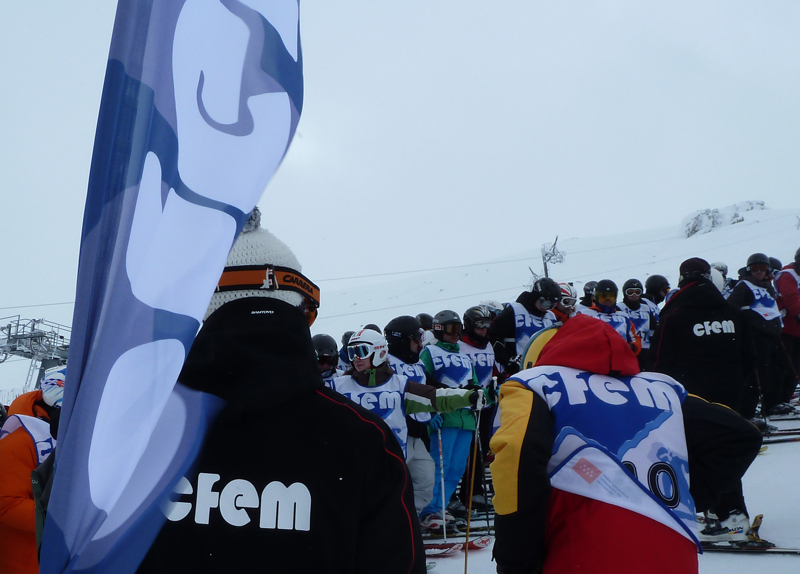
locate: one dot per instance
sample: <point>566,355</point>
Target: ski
<point>478,543</point>
<point>780,439</point>
<point>754,543</point>
<point>781,432</point>
<point>442,548</point>
<point>743,548</point>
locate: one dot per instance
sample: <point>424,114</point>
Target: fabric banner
<point>200,102</point>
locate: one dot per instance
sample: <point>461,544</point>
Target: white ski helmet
<point>569,296</point>
<point>366,343</point>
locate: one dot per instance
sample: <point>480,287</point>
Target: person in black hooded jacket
<point>701,340</point>
<point>292,477</point>
<point>755,294</point>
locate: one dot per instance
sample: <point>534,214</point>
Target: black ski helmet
<point>655,284</point>
<point>373,327</point>
<point>399,333</point>
<point>442,319</point>
<point>426,321</point>
<point>588,287</point>
<point>477,316</point>
<point>631,284</point>
<point>346,337</point>
<point>546,292</point>
<point>775,265</point>
<point>606,285</point>
<point>757,259</point>
<point>325,347</point>
<point>797,258</point>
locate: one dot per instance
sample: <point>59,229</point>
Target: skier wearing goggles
<point>605,308</point>
<point>520,320</point>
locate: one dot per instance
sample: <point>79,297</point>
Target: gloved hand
<point>492,390</point>
<point>435,423</point>
<point>478,399</point>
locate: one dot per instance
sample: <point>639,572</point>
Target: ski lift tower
<point>45,343</point>
<point>551,255</point>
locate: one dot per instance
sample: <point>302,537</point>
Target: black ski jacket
<point>742,297</point>
<point>703,343</point>
<point>502,332</point>
<point>293,477</point>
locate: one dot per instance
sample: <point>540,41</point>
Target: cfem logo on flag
<point>200,102</point>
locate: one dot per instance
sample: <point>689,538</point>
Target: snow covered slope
<point>350,303</point>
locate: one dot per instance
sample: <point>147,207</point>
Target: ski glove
<point>478,399</point>
<point>435,423</point>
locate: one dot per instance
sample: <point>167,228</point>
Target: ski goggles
<point>569,302</point>
<point>633,291</point>
<point>758,267</point>
<point>449,328</point>
<point>605,295</point>
<point>547,304</point>
<point>359,350</point>
<point>417,336</point>
<point>326,360</point>
<point>482,323</point>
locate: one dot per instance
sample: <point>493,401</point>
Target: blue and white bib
<point>763,303</point>
<point>619,320</point>
<point>386,400</point>
<point>453,370</point>
<point>619,440</point>
<point>527,325</point>
<point>415,372</point>
<point>482,362</point>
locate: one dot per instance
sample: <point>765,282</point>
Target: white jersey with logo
<point>415,372</point>
<point>453,370</point>
<point>482,362</point>
<point>526,325</point>
<point>763,303</point>
<point>643,319</point>
<point>386,400</point>
<point>619,320</point>
<point>328,379</point>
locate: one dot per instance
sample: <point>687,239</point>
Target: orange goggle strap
<point>269,278</point>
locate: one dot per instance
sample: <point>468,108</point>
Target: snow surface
<point>770,484</point>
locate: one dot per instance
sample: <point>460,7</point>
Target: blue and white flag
<point>200,103</point>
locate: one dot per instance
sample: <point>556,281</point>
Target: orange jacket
<point>17,509</point>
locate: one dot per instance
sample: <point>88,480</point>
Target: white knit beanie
<point>257,246</point>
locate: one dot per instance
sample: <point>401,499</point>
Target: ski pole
<point>441,474</point>
<point>484,488</point>
<point>471,486</point>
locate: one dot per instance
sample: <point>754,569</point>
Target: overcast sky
<point>439,133</point>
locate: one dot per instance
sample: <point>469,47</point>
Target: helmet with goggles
<point>758,259</point>
<point>367,343</point>
<point>605,290</point>
<point>477,317</point>
<point>327,351</point>
<point>569,296</point>
<point>546,292</point>
<point>632,288</point>
<point>446,322</point>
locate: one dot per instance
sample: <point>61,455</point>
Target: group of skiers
<point>709,337</point>
<point>596,412</point>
